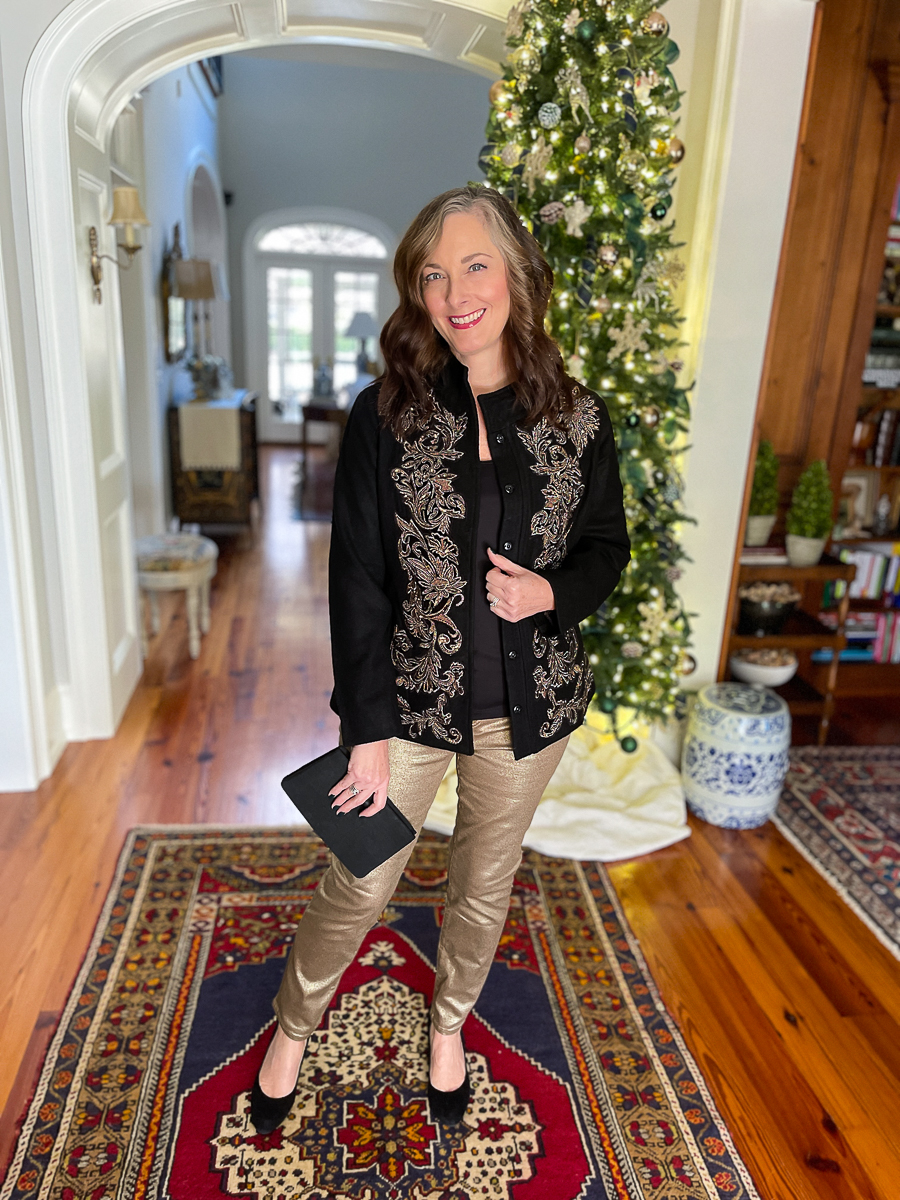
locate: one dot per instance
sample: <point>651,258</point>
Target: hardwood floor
<point>789,1003</point>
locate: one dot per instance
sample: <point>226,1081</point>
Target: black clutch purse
<point>361,843</point>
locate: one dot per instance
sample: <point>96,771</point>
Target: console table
<point>211,496</point>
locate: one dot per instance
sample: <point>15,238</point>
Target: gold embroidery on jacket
<point>420,650</point>
<point>564,667</point>
<point>565,486</point>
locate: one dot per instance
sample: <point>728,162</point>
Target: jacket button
<point>498,438</point>
<point>511,654</point>
<point>508,488</point>
<point>507,545</point>
<point>516,708</point>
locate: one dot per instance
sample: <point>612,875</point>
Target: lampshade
<point>127,207</point>
<point>362,326</point>
<point>194,279</point>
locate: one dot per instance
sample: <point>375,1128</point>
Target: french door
<point>302,308</point>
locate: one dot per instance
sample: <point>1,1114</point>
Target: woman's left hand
<point>520,593</point>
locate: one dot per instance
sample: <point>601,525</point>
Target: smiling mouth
<point>467,321</point>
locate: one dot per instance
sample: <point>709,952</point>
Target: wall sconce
<point>127,212</point>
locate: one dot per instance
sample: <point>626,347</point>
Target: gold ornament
<point>631,163</point>
<point>608,255</point>
<point>655,24</point>
<point>526,60</point>
<point>603,304</point>
<point>582,144</point>
<point>510,154</point>
<point>500,95</point>
<point>676,150</point>
<point>651,417</point>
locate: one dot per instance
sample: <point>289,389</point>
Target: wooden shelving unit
<point>811,694</point>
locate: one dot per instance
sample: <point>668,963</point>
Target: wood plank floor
<point>788,1002</point>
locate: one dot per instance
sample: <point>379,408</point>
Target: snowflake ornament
<point>656,622</point>
<point>630,338</point>
<point>576,215</point>
<point>671,272</point>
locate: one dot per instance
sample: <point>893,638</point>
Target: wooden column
<point>845,175</point>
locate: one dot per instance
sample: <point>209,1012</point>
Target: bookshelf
<point>812,691</point>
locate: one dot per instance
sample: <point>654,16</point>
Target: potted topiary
<point>763,496</point>
<point>809,517</point>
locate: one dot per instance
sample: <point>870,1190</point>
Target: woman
<point>477,519</point>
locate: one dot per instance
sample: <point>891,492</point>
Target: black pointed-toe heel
<point>268,1112</point>
<point>448,1107</point>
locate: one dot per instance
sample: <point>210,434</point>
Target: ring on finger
<point>354,790</point>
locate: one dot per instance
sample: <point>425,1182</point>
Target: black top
<point>489,697</point>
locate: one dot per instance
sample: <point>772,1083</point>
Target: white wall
<point>181,130</point>
<point>748,63</point>
<point>367,130</point>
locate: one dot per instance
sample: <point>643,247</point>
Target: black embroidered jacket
<point>401,568</point>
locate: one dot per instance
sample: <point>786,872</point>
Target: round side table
<point>170,562</point>
<point>735,754</point>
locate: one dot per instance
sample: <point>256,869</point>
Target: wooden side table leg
<point>154,612</point>
<point>145,641</point>
<point>193,608</point>
<point>204,607</point>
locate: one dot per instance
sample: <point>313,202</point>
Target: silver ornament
<point>510,154</point>
<point>549,114</point>
<point>632,650</point>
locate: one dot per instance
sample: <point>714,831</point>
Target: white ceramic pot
<point>735,754</point>
<point>759,530</point>
<point>804,551</point>
<point>751,672</point>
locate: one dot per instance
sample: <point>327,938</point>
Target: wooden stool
<point>170,562</point>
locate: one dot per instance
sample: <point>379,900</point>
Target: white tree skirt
<point>601,803</point>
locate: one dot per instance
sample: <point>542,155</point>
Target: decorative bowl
<point>768,674</point>
<point>764,616</point>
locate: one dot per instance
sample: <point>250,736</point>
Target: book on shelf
<point>877,573</point>
<point>875,637</point>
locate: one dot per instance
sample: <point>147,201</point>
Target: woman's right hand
<point>369,771</point>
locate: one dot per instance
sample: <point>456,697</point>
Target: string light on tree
<point>581,137</point>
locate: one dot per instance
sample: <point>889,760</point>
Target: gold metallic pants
<point>497,799</point>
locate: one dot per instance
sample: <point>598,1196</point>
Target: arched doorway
<point>88,64</point>
<point>306,272</point>
<point>207,238</point>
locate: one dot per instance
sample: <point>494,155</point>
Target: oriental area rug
<point>841,808</point>
<point>582,1085</point>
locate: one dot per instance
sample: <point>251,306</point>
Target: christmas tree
<point>581,139</point>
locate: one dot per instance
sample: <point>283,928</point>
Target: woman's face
<point>465,291</point>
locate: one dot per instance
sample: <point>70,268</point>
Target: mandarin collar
<point>500,408</point>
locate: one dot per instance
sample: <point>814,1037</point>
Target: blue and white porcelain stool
<point>735,754</point>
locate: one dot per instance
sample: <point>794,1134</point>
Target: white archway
<point>89,62</point>
<point>207,237</point>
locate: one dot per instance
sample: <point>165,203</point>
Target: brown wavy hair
<point>415,353</point>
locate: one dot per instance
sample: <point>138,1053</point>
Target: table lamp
<point>363,327</point>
